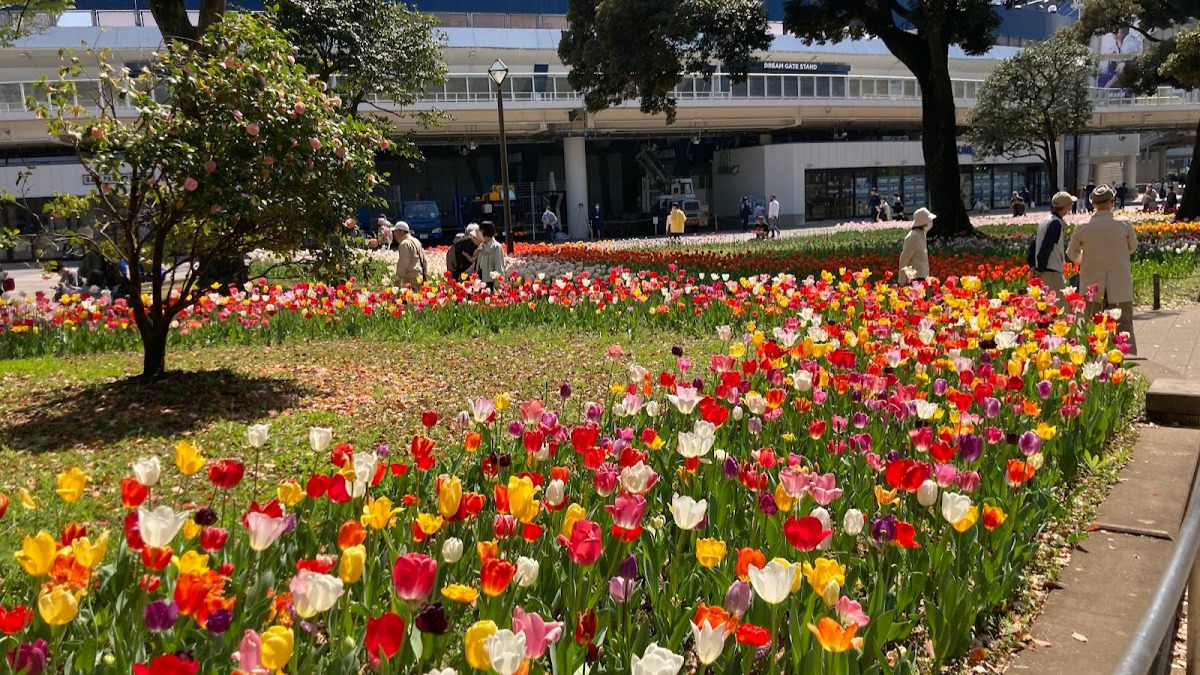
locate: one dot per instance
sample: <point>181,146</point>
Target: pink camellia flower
<point>340,152</point>
<point>539,633</point>
<point>849,612</point>
<point>191,184</point>
<point>299,108</point>
<point>97,132</point>
<point>252,128</point>
<point>210,166</point>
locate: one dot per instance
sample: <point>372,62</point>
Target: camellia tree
<point>230,147</point>
<point>1170,57</point>
<point>1033,99</point>
<point>620,50</point>
<point>920,34</point>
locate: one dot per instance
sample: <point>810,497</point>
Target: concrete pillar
<point>1129,174</point>
<point>575,209</point>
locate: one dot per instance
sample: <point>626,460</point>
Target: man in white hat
<point>410,266</point>
<point>1102,246</point>
<point>915,255</point>
<point>1046,249</point>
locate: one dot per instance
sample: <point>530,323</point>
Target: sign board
<point>796,68</point>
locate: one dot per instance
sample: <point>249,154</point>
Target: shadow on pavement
<point>107,412</point>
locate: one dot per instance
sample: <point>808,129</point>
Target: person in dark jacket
<point>745,213</point>
<point>1046,250</point>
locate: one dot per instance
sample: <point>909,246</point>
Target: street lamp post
<point>498,72</point>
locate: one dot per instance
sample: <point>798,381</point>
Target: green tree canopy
<point>1170,56</point>
<point>620,50</point>
<point>29,17</point>
<point>920,34</point>
<point>1033,99</point>
<point>248,151</point>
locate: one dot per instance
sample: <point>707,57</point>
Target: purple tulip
<point>594,412</point>
<point>205,516</point>
<point>884,529</point>
<point>1044,389</point>
<point>754,426</point>
<point>620,589</point>
<point>698,385</point>
<point>730,467</point>
<point>28,657</point>
<point>970,447</point>
<point>463,419</point>
<point>776,377</point>
<point>290,520</point>
<point>432,619</point>
<point>940,386</point>
<point>967,481</point>
<point>629,567</point>
<point>860,420</point>
<point>565,390</point>
<point>515,429</point>
<point>891,456</point>
<point>738,597</point>
<point>766,503</point>
<point>991,407</point>
<point>383,450</point>
<point>219,621</point>
<point>626,435</point>
<point>1030,443</point>
<point>160,615</point>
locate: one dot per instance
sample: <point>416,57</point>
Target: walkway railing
<point>1150,649</point>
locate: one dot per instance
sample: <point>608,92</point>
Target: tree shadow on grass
<point>108,412</point>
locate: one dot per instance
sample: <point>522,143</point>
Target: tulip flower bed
<point>838,486</point>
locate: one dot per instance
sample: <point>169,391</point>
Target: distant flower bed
<point>842,486</point>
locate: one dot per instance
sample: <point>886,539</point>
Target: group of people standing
<point>475,251</point>
<point>1102,247</point>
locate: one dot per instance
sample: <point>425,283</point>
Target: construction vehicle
<point>659,191</point>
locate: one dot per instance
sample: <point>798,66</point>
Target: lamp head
<point>498,72</point>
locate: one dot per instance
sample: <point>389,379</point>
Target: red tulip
<point>806,533</point>
<point>15,620</point>
<point>414,576</point>
<point>385,635</point>
<point>133,493</point>
<point>156,559</point>
<point>905,536</point>
<point>755,636</point>
<point>225,474</point>
<point>167,664</point>
<point>212,539</point>
<point>429,418</point>
<point>317,485</point>
<point>495,576</point>
<point>3,504</point>
<point>584,547</point>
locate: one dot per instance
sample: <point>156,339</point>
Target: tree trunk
<point>1052,170</point>
<point>1189,207</point>
<point>154,349</point>
<point>172,19</point>
<point>939,143</point>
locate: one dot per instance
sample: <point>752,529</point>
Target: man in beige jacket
<point>1102,246</point>
<point>410,265</point>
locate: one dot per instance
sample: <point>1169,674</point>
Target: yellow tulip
<point>191,563</point>
<point>1046,431</point>
<point>276,650</point>
<point>26,499</point>
<point>188,458</point>
<point>449,496</point>
<point>290,493</point>
<point>58,605</point>
<point>969,521</point>
<point>574,513</point>
<point>429,523</point>
<point>350,567</point>
<point>89,554</point>
<point>710,552</point>
<point>460,593</point>
<point>37,554</point>
<point>782,499</point>
<point>191,529</point>
<point>378,513</point>
<point>884,497</point>
<point>826,577</point>
<point>523,503</point>
<point>71,483</point>
<point>502,401</point>
<point>473,641</point>
<point>737,350</point>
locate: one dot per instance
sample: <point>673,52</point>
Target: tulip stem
<point>775,642</point>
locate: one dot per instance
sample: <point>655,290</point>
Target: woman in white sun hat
<point>915,255</point>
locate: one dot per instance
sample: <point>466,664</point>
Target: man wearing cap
<point>1102,246</point>
<point>1046,252</point>
<point>915,255</point>
<point>410,265</point>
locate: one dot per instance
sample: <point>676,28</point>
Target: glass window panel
<point>11,98</point>
<point>738,90</point>
<point>791,86</point>
<point>910,89</point>
<point>704,86</point>
<point>456,88</point>
<point>822,87</point>
<point>806,86</point>
<point>960,89</point>
<point>555,21</point>
<point>489,20</point>
<point>35,90</point>
<point>895,88</point>
<point>522,87</point>
<point>839,87</point>
<point>971,90</point>
<point>87,93</point>
<point>562,87</point>
<point>686,88</point>
<point>855,88</point>
<point>758,86</point>
<point>774,86</point>
<point>116,18</point>
<point>75,19</point>
<point>724,85</point>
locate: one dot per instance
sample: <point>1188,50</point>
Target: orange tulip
<point>351,533</point>
<point>748,557</point>
<point>495,576</point>
<point>833,637</point>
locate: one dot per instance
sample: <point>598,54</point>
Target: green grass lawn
<point>84,411</point>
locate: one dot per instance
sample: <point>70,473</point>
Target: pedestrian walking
<point>746,212</point>
<point>549,223</point>
<point>489,259</point>
<point>1122,194</point>
<point>676,222</point>
<point>597,222</point>
<point>873,203</point>
<point>773,217</point>
<point>1087,195</point>
<point>1103,246</point>
<point>914,258</point>
<point>410,265</point>
<point>1046,250</point>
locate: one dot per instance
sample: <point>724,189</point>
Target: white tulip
<point>687,512</point>
<point>852,522</point>
<point>724,333</point>
<point>264,530</point>
<point>443,671</point>
<point>527,571</point>
<point>147,470</point>
<point>756,404</point>
<point>653,409</point>
<point>772,583</point>
<point>556,493</point>
<point>684,399</point>
<point>802,380</point>
<point>320,438</point>
<point>925,409</point>
<point>955,507</point>
<point>506,649</point>
<point>313,593</point>
<point>927,493</point>
<point>710,642</point>
<point>452,550</point>
<point>638,479</point>
<point>656,661</point>
<point>256,434</point>
<point>159,527</point>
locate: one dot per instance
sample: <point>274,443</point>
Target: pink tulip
<point>849,612</point>
<point>539,633</point>
<point>824,489</point>
<point>248,654</point>
<point>627,511</point>
<point>414,575</point>
<point>584,547</point>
